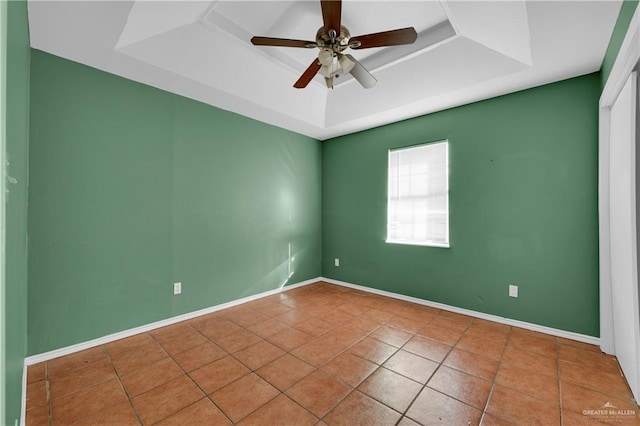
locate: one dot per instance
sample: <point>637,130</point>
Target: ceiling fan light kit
<point>331,61</point>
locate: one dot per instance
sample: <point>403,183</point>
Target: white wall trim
<point>627,58</point>
<point>23,417</point>
<point>67,350</point>
<point>604,233</point>
<point>46,356</point>
<point>625,62</point>
<point>502,320</point>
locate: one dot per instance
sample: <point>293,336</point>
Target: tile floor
<point>324,354</point>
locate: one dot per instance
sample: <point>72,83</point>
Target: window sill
<point>411,243</point>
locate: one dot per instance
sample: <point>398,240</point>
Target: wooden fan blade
<point>285,42</point>
<point>308,75</point>
<point>331,14</point>
<point>361,74</point>
<point>385,38</point>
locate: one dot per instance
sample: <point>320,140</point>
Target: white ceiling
<point>466,51</point>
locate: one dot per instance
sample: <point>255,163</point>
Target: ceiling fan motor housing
<point>331,45</point>
<point>340,41</point>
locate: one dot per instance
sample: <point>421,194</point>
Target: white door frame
<point>627,58</point>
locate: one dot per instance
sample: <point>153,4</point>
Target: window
<point>418,195</point>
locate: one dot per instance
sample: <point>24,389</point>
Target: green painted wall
<point>133,188</point>
<point>128,194</point>
<point>17,140</point>
<point>620,30</point>
<point>523,207</point>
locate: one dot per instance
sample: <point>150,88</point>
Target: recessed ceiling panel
<point>301,20</point>
<point>84,32</point>
<point>196,53</point>
<point>466,51</point>
<point>287,19</point>
<point>502,26</point>
<point>463,62</point>
<point>150,18</point>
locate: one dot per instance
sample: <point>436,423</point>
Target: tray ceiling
<point>466,51</point>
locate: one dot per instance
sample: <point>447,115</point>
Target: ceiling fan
<point>332,39</point>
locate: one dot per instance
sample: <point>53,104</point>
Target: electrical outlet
<point>337,262</point>
<point>177,288</point>
<point>513,290</point>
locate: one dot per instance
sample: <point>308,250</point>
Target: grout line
<point>586,387</point>
<point>318,295</point>
<point>334,326</point>
<point>79,347</point>
<point>358,290</point>
<point>424,386</point>
<point>250,369</point>
<point>495,377</point>
<point>129,399</point>
<point>289,352</point>
<point>399,348</point>
<point>474,314</point>
<point>206,395</point>
<point>48,388</point>
<point>46,377</point>
<point>344,350</point>
<point>559,381</point>
<point>299,405</point>
<point>337,403</point>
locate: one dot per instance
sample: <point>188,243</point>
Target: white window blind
<point>418,195</point>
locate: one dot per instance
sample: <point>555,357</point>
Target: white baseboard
<point>67,350</point>
<point>23,417</point>
<point>516,323</point>
<point>46,356</point>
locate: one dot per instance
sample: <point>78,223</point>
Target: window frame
<point>431,243</point>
